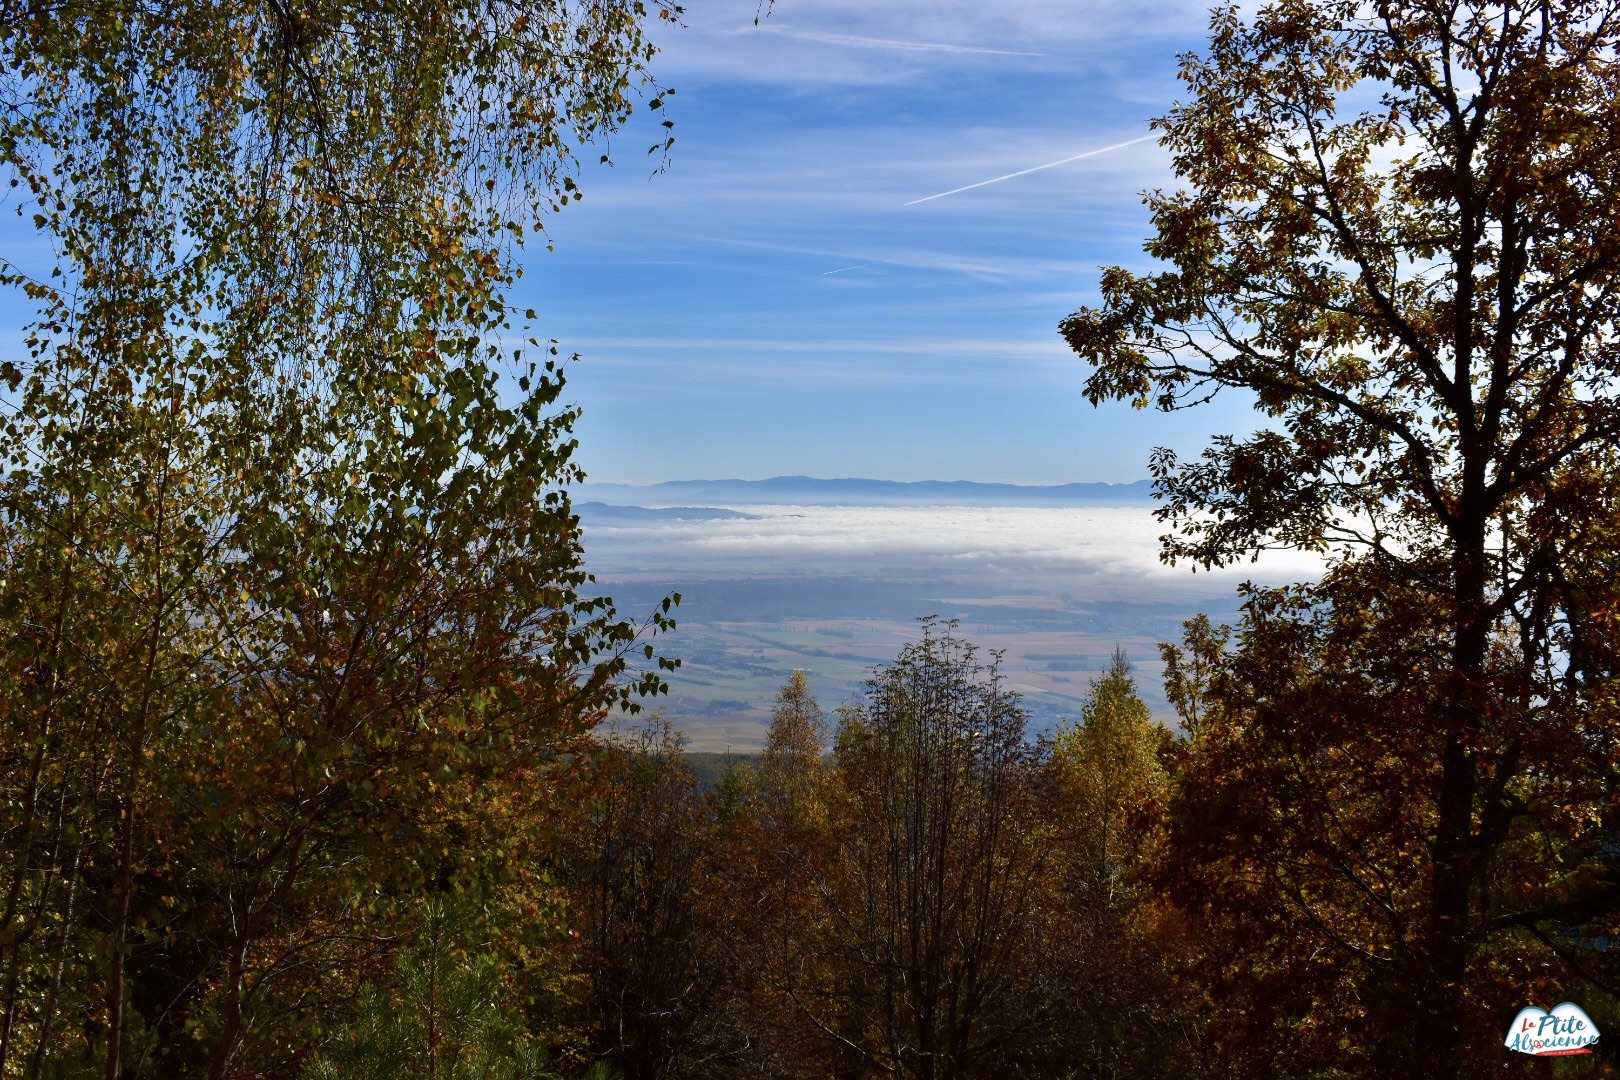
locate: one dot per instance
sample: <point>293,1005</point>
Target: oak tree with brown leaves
<point>1396,232</point>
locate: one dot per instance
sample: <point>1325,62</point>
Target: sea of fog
<point>837,590</point>
<point>1107,553</point>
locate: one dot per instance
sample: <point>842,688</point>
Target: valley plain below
<point>833,584</point>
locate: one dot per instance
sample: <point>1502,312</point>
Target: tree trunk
<point>120,927</point>
<point>1455,868</point>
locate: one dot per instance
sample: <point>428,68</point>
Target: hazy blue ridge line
<point>849,491</point>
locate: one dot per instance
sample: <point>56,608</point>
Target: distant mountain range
<point>811,491</point>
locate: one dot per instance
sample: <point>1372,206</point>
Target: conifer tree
<point>793,749</point>
<point>1108,789</point>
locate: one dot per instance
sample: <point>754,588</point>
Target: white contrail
<point>1037,168</point>
<point>841,269</point>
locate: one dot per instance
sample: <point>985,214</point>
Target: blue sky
<point>778,300</point>
<point>771,305</point>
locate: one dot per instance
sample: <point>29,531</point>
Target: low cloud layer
<point>1109,552</point>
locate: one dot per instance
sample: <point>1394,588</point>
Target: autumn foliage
<point>1393,236</point>
<point>290,589</point>
<point>302,764</point>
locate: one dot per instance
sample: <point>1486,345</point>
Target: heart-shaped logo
<point>1565,1030</point>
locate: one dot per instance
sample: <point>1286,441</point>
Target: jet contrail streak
<point>841,269</point>
<point>1037,168</point>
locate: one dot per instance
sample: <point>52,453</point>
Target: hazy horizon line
<point>590,481</point>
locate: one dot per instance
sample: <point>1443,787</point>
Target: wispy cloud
<point>1035,169</point>
<point>860,42</point>
<point>1035,348</point>
<point>984,267</point>
<point>906,41</point>
<point>1107,553</point>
